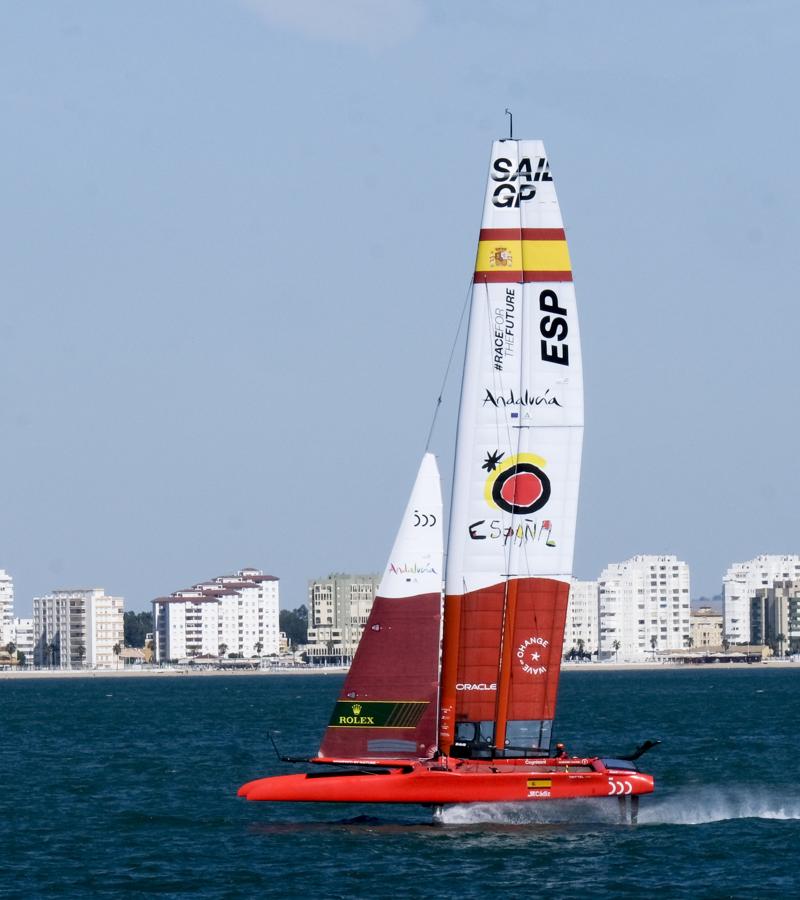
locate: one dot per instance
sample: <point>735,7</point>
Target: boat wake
<point>703,805</point>
<point>687,807</point>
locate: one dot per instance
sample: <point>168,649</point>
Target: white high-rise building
<point>580,629</point>
<point>229,614</point>
<point>644,606</point>
<point>740,584</point>
<point>6,607</point>
<point>78,628</point>
<point>23,638</point>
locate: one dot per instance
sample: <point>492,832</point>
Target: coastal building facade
<point>231,614</point>
<point>643,607</point>
<point>22,635</point>
<point>775,617</point>
<point>740,584</point>
<point>338,608</point>
<point>580,628</point>
<point>6,607</point>
<point>78,628</point>
<point>705,629</point>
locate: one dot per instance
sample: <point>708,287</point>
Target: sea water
<point>127,787</point>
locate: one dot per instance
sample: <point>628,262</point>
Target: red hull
<point>456,782</point>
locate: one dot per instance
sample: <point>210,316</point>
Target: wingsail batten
<point>387,706</point>
<point>516,471</point>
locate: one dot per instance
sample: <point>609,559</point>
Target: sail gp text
<point>518,184</point>
<point>527,531</point>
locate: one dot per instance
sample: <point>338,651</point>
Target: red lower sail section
<point>387,705</point>
<point>456,782</point>
<point>502,654</point>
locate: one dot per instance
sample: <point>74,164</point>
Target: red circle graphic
<point>522,489</point>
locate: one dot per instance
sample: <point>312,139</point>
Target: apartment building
<point>644,607</point>
<point>231,614</point>
<point>78,628</point>
<point>705,629</point>
<point>740,584</point>
<point>6,607</point>
<point>775,617</point>
<point>581,626</point>
<point>23,637</point>
<point>338,609</point>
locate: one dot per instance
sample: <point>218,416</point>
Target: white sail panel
<point>520,423</point>
<point>415,564</point>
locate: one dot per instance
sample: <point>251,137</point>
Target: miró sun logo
<point>516,484</point>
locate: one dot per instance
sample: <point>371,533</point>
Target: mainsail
<point>387,706</point>
<point>517,469</point>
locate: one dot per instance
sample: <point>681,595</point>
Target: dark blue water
<point>127,787</point>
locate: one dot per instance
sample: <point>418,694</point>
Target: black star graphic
<point>492,459</point>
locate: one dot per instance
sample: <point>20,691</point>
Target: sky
<point>236,238</point>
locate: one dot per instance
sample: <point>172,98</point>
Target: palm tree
<point>616,645</point>
<point>116,650</point>
<point>258,647</point>
<point>688,640</point>
<point>780,638</point>
<point>81,654</point>
<point>223,649</point>
<point>581,644</point>
<point>653,644</point>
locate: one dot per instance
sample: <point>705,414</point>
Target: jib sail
<point>387,707</point>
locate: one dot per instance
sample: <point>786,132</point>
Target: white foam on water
<point>689,806</point>
<point>551,812</point>
<point>714,804</point>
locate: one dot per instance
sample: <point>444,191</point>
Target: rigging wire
<point>449,364</point>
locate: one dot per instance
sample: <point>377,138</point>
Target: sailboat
<point>469,718</point>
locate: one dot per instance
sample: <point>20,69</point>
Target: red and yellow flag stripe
<point>522,254</point>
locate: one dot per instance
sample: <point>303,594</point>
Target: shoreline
<point>27,675</point>
<point>7,675</point>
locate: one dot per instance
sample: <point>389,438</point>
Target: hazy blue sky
<point>236,236</point>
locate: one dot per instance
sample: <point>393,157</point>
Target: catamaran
<point>454,702</point>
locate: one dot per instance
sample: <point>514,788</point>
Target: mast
<point>517,470</point>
